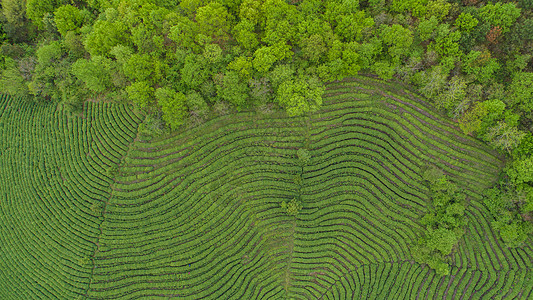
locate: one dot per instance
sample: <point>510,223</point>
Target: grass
<point>92,211</point>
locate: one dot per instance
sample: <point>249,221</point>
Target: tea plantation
<point>244,206</point>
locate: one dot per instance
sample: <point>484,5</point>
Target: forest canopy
<point>181,61</point>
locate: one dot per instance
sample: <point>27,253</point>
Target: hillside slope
<point>91,210</point>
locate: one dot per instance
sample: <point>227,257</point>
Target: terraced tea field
<point>91,210</point>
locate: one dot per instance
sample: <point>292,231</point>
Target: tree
<point>521,170</point>
<point>398,39</point>
<point>500,14</point>
<point>446,41</point>
<point>94,73</point>
<point>17,26</point>
<point>197,105</point>
<point>245,35</point>
<point>104,36</point>
<point>472,120</point>
<point>173,106</point>
<point>36,9</point>
<point>453,97</point>
<point>465,22</point>
<point>264,58</point>
<point>242,65</point>
<point>426,28</point>
<point>293,207</point>
<point>416,7</point>
<point>233,90</point>
<point>214,20</point>
<point>504,137</point>
<point>194,72</point>
<point>521,91</point>
<point>11,79</point>
<point>313,47</point>
<point>300,95</point>
<point>438,9</point>
<point>351,26</point>
<point>68,18</point>
<point>142,67</point>
<point>141,93</point>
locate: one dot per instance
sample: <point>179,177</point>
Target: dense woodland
<point>182,61</point>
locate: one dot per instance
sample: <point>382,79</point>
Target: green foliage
<point>37,9</point>
<point>466,22</point>
<point>417,7</point>
<point>446,41</point>
<point>426,28</point>
<point>507,206</point>
<point>438,9</point>
<point>521,171</point>
<point>503,136</point>
<point>141,93</point>
<point>293,207</point>
<point>233,90</point>
<point>444,222</point>
<point>398,39</point>
<point>194,72</point>
<point>12,81</point>
<point>213,20</point>
<point>521,91</point>
<point>142,67</point>
<point>500,14</point>
<point>173,106</point>
<point>95,73</point>
<point>300,95</point>
<point>350,27</point>
<point>68,18</point>
<point>104,36</point>
<point>245,35</point>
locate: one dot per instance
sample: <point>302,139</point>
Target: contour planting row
<point>57,187</point>
<point>216,214</point>
<point>436,130</point>
<point>418,138</point>
<point>207,210</point>
<point>408,101</point>
<point>406,280</point>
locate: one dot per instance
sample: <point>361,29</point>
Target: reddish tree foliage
<point>470,2</point>
<point>494,34</point>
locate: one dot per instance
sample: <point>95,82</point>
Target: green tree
<point>141,94</point>
<point>300,95</point>
<point>245,35</point>
<point>94,73</point>
<point>521,91</point>
<point>11,79</point>
<point>194,72</point>
<point>466,22</point>
<point>350,27</point>
<point>233,90</point>
<point>500,14</point>
<point>242,65</point>
<point>68,18</point>
<point>398,39</point>
<point>426,28</point>
<point>104,36</point>
<point>142,67</point>
<point>521,170</point>
<point>446,41</point>
<point>293,207</point>
<point>214,20</point>
<point>173,106</point>
<point>37,9</point>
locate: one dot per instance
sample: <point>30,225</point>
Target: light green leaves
<point>300,95</point>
